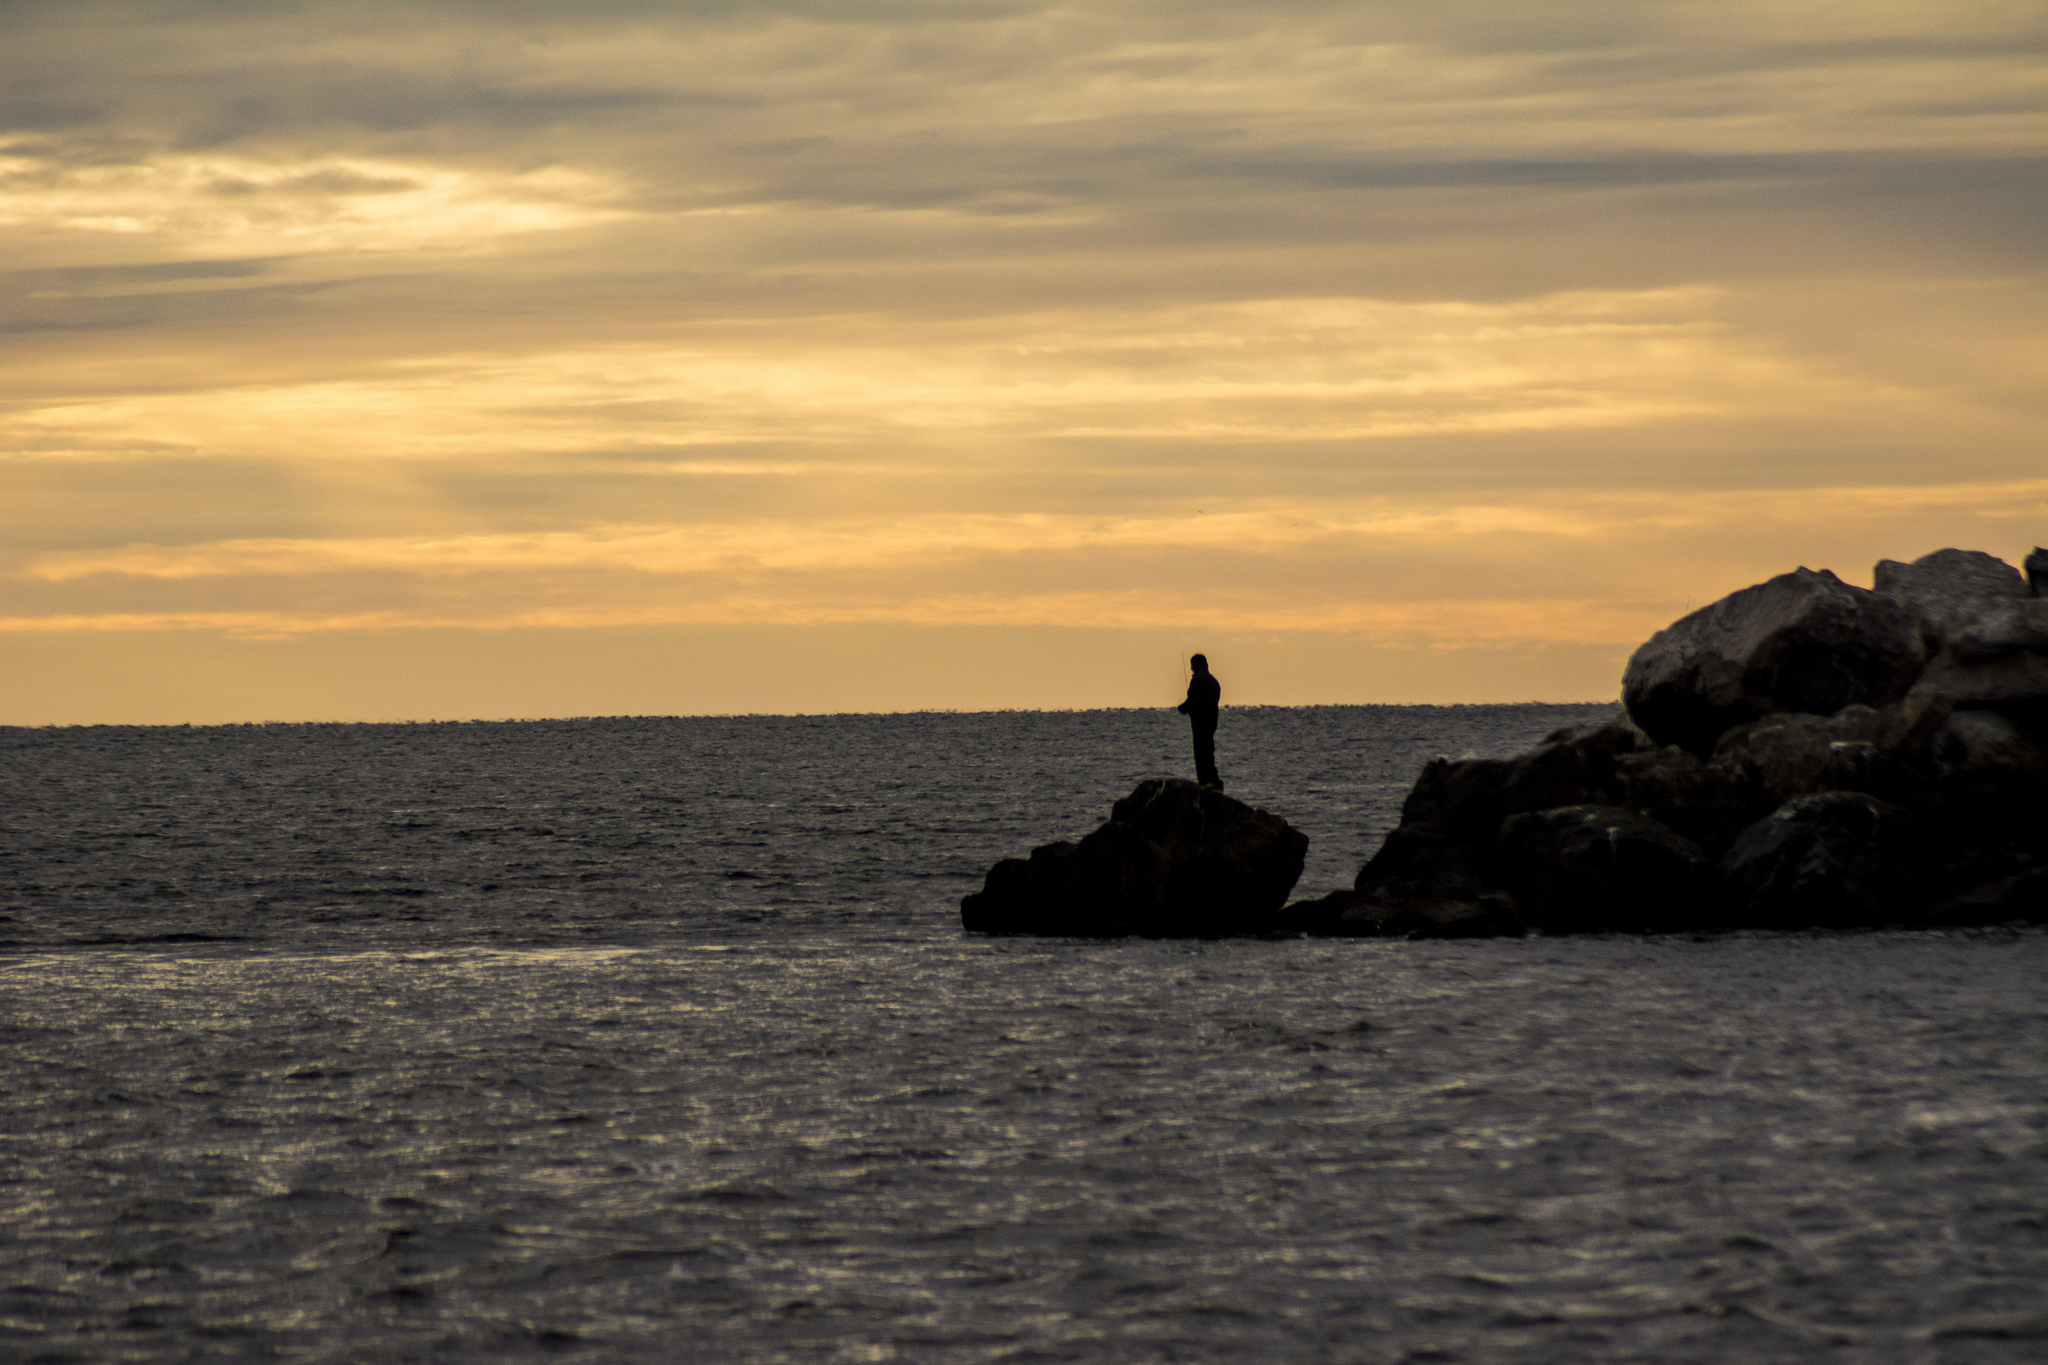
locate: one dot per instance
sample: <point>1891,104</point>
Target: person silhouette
<point>1205,699</point>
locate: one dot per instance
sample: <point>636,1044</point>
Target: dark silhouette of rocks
<point>1832,859</point>
<point>1595,869</point>
<point>1986,626</point>
<point>1950,588</point>
<point>1438,874</point>
<point>1418,886</point>
<point>1174,859</point>
<point>1802,753</point>
<point>1802,641</point>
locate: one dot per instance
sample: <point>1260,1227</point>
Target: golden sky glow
<point>465,359</point>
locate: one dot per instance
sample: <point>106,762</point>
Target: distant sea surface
<point>658,1040</point>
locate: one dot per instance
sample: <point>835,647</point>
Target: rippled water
<point>657,1040</point>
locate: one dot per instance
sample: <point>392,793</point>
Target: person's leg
<point>1205,757</point>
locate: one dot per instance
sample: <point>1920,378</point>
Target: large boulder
<point>1601,869</point>
<point>1994,887</point>
<point>1911,728</point>
<point>1987,764</point>
<point>1385,912</point>
<point>1949,589</point>
<point>1435,876</point>
<point>1828,859</point>
<point>1465,800</point>
<point>1801,753</point>
<point>1985,626</point>
<point>1795,752</point>
<point>1998,658</point>
<point>1708,803</point>
<point>1173,859</point>
<point>1803,641</point>
<point>1418,886</point>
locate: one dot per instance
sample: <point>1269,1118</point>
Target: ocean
<point>657,1039</point>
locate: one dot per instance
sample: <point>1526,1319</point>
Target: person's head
<point>1200,663</point>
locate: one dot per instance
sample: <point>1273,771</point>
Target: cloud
<point>1401,573</point>
<point>88,278</point>
<point>1285,370</point>
<point>208,203</point>
<point>1365,318</point>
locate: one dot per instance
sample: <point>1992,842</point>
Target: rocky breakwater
<point>1174,859</point>
<point>1801,753</point>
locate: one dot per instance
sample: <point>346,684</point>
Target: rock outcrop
<point>1802,753</point>
<point>1950,589</point>
<point>1802,641</point>
<point>1174,859</point>
<point>1593,869</point>
<point>1831,859</point>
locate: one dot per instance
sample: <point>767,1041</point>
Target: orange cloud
<point>1444,328</point>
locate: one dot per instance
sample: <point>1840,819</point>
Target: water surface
<point>657,1039</point>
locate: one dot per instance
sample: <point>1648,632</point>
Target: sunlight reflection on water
<point>960,1149</point>
<point>671,1118</point>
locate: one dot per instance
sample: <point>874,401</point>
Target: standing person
<point>1205,698</point>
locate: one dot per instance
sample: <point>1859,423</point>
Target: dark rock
<point>1596,869</point>
<point>1417,886</point>
<point>1788,755</point>
<point>1708,803</point>
<point>1986,742</point>
<point>1998,658</point>
<point>1457,799</point>
<point>1173,859</point>
<point>1985,761</point>
<point>1318,916</point>
<point>1228,861</point>
<point>1986,627</point>
<point>1911,727</point>
<point>1491,914</point>
<point>1829,859</point>
<point>1466,799</point>
<point>1996,889</point>
<point>1434,875</point>
<point>1578,758</point>
<point>1108,884</point>
<point>1948,589</point>
<point>2019,681</point>
<point>2009,627</point>
<point>1387,911</point>
<point>1810,754</point>
<point>1802,641</point>
<point>1421,852</point>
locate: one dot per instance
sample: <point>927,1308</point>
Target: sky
<point>475,360</point>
